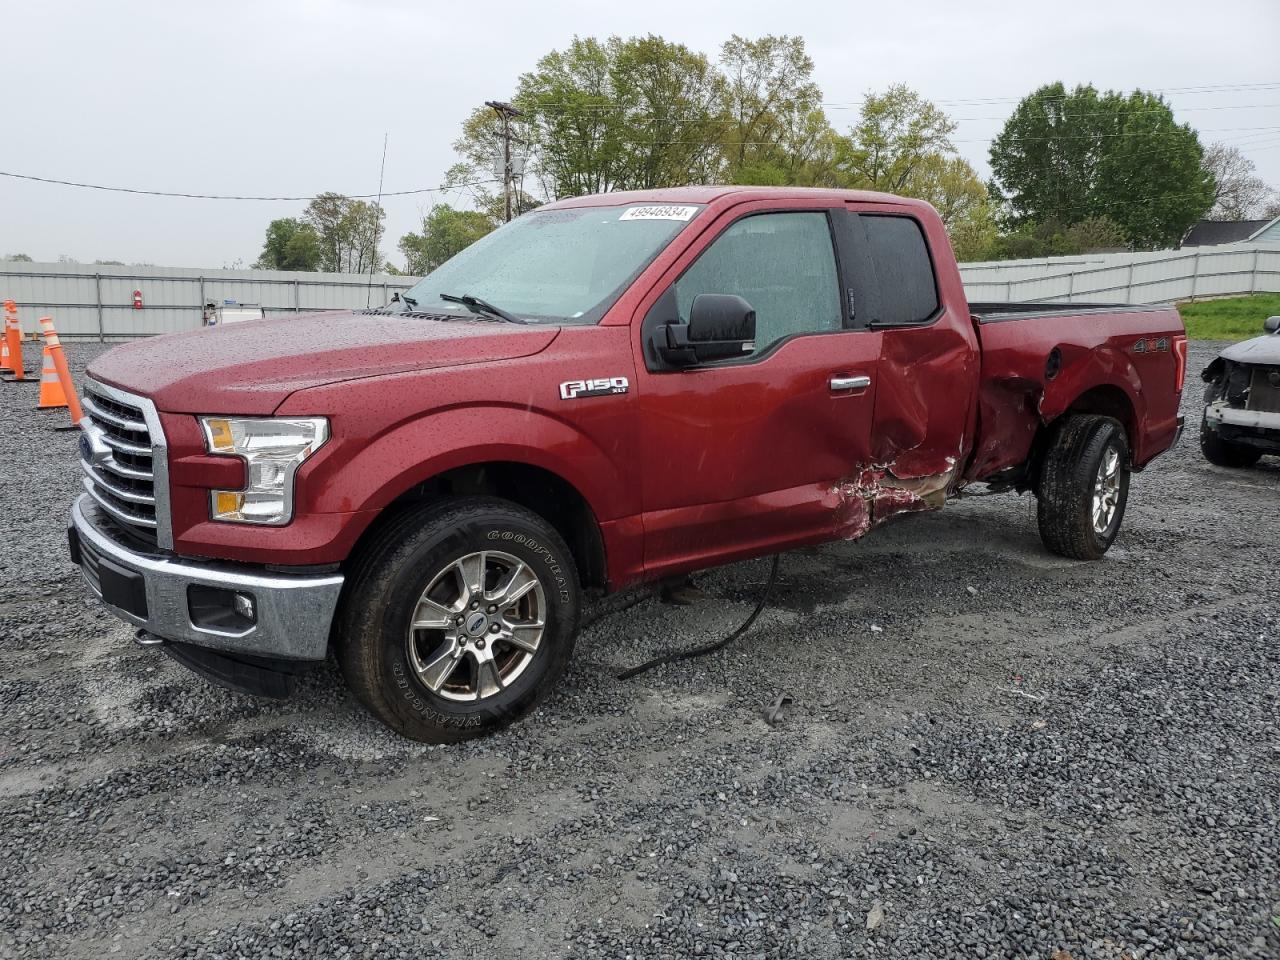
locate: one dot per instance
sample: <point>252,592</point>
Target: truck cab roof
<point>740,194</point>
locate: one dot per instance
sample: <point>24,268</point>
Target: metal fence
<point>98,300</point>
<point>1158,277</point>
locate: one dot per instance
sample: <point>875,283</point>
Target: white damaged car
<point>1242,401</point>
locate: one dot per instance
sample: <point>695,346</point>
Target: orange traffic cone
<point>4,355</point>
<point>52,396</point>
<point>56,385</point>
<point>13,343</point>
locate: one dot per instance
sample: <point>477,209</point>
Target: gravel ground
<point>992,752</point>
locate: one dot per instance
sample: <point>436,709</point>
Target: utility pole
<point>506,111</point>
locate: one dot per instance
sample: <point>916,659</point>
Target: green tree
<point>348,232</point>
<point>1064,157</point>
<point>445,232</point>
<point>18,258</point>
<point>669,101</point>
<point>897,131</point>
<point>775,131</point>
<point>290,244</point>
<point>617,115</point>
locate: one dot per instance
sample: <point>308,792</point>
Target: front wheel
<point>1084,486</point>
<point>458,618</point>
<point>1224,453</point>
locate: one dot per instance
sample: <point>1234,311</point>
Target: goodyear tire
<point>1224,453</point>
<point>458,618</point>
<point>1084,486</point>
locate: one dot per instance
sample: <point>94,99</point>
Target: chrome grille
<point>1264,390</point>
<point>122,455</point>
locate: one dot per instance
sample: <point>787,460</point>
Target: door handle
<point>850,383</point>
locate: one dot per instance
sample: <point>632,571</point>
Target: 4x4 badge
<point>599,387</point>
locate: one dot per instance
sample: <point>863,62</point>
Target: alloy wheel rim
<point>1106,491</point>
<point>477,626</point>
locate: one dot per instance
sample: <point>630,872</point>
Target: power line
<point>729,122</point>
<point>608,104</point>
<point>216,196</point>
<point>605,141</point>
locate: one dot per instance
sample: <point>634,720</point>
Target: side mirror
<point>721,326</point>
<point>1271,325</point>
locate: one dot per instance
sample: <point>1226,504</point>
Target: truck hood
<point>250,368</point>
<point>1264,349</point>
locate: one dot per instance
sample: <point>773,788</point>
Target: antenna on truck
<point>377,206</point>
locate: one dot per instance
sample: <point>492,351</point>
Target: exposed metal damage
<point>875,494</point>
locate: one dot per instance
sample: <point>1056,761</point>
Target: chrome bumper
<point>293,614</point>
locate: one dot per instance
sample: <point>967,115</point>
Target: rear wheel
<point>1224,453</point>
<point>1084,486</point>
<point>458,618</point>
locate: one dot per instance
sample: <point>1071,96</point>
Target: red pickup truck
<point>609,390</point>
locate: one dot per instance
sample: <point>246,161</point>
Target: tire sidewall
<point>1107,435</point>
<point>416,706</point>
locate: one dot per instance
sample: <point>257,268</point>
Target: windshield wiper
<point>476,305</point>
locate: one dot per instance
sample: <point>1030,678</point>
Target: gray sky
<point>285,97</point>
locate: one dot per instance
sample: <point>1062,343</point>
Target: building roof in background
<point>1210,233</point>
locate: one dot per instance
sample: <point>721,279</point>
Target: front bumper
<point>1221,412</point>
<point>159,592</point>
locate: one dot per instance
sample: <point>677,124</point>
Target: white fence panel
<point>97,300</point>
<point>1150,277</point>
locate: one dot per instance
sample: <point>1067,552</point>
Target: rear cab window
<point>892,277</point>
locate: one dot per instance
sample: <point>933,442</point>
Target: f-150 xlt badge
<point>600,387</point>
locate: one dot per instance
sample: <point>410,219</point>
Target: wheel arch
<point>536,488</point>
<point>1104,400</point>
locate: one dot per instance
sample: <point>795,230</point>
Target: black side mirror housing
<point>721,326</point>
<point>1271,325</point>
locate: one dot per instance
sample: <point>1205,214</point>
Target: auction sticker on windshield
<point>663,212</point>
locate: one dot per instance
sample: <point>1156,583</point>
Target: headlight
<point>272,449</point>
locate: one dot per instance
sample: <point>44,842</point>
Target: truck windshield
<point>556,266</point>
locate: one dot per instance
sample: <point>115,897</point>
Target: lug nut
<point>480,643</point>
<point>474,604</point>
<point>494,628</point>
<point>493,609</point>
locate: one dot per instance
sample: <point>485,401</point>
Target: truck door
<point>749,455</point>
<point>925,406</point>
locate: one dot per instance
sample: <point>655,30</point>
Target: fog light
<point>243,605</point>
<point>220,610</point>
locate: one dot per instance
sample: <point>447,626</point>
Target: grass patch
<point>1234,318</point>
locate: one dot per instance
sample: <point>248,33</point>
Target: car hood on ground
<point>1264,349</point>
<point>250,368</point>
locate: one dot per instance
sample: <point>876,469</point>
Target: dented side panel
<point>926,401</point>
<point>1129,353</point>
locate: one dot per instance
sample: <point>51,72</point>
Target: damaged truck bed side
<point>609,390</point>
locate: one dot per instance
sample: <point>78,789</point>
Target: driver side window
<point>783,264</point>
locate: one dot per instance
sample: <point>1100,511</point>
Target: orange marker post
<point>54,346</point>
<point>12,362</point>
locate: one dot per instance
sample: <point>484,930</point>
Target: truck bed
<point>1043,360</point>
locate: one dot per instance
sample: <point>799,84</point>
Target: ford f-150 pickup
<point>609,390</point>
